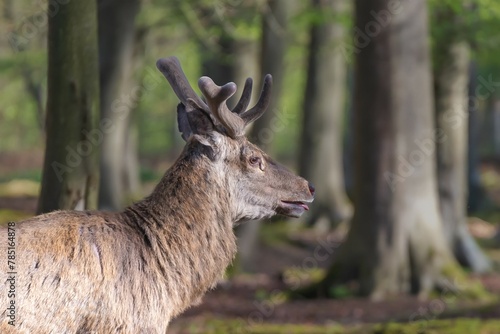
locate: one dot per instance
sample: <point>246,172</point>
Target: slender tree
<point>71,167</point>
<point>396,242</point>
<point>321,155</point>
<point>119,96</point>
<point>274,23</point>
<point>8,9</point>
<point>274,42</point>
<point>227,54</point>
<point>476,193</point>
<point>451,54</point>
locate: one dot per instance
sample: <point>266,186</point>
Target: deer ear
<point>183,122</point>
<point>211,140</point>
<point>192,120</point>
<point>204,140</point>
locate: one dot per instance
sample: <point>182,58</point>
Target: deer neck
<point>187,224</point>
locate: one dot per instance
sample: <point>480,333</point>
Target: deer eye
<point>254,161</point>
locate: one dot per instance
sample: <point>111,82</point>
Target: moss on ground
<point>450,326</point>
<point>34,175</point>
<point>466,287</point>
<point>275,233</point>
<point>239,326</point>
<point>19,188</point>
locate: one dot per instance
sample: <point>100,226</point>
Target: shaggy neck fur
<point>186,222</point>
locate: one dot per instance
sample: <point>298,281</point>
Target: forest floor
<point>288,257</point>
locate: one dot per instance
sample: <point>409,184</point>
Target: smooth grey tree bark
<point>119,97</point>
<point>321,155</point>
<point>396,243</point>
<point>70,177</point>
<point>451,78</point>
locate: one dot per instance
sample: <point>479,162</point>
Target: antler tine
<point>261,106</point>
<point>246,95</point>
<point>172,70</point>
<point>216,97</point>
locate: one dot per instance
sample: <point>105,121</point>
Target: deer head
<point>258,186</point>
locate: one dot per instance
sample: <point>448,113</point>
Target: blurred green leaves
<point>176,27</point>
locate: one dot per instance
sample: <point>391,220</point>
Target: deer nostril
<point>311,188</point>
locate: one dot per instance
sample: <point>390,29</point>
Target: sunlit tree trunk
<point>451,74</point>
<point>396,242</point>
<point>71,167</point>
<point>119,97</point>
<point>321,156</point>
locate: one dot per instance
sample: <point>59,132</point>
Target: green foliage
<point>167,32</point>
<point>175,27</point>
<point>451,23</point>
<point>487,40</point>
<point>12,216</point>
<point>309,15</point>
<point>475,22</point>
<point>211,21</point>
<point>18,111</point>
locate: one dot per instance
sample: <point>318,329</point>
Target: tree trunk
<point>476,194</point>
<point>234,61</point>
<point>321,156</point>
<point>396,243</point>
<point>8,10</point>
<point>272,57</point>
<point>451,58</point>
<point>70,174</point>
<point>272,60</point>
<point>496,127</point>
<point>35,91</point>
<point>218,64</point>
<point>119,97</point>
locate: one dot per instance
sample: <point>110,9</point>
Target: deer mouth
<point>292,208</point>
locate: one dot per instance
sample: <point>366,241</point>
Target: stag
<point>133,271</point>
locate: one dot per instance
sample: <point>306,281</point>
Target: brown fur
<point>132,272</point>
